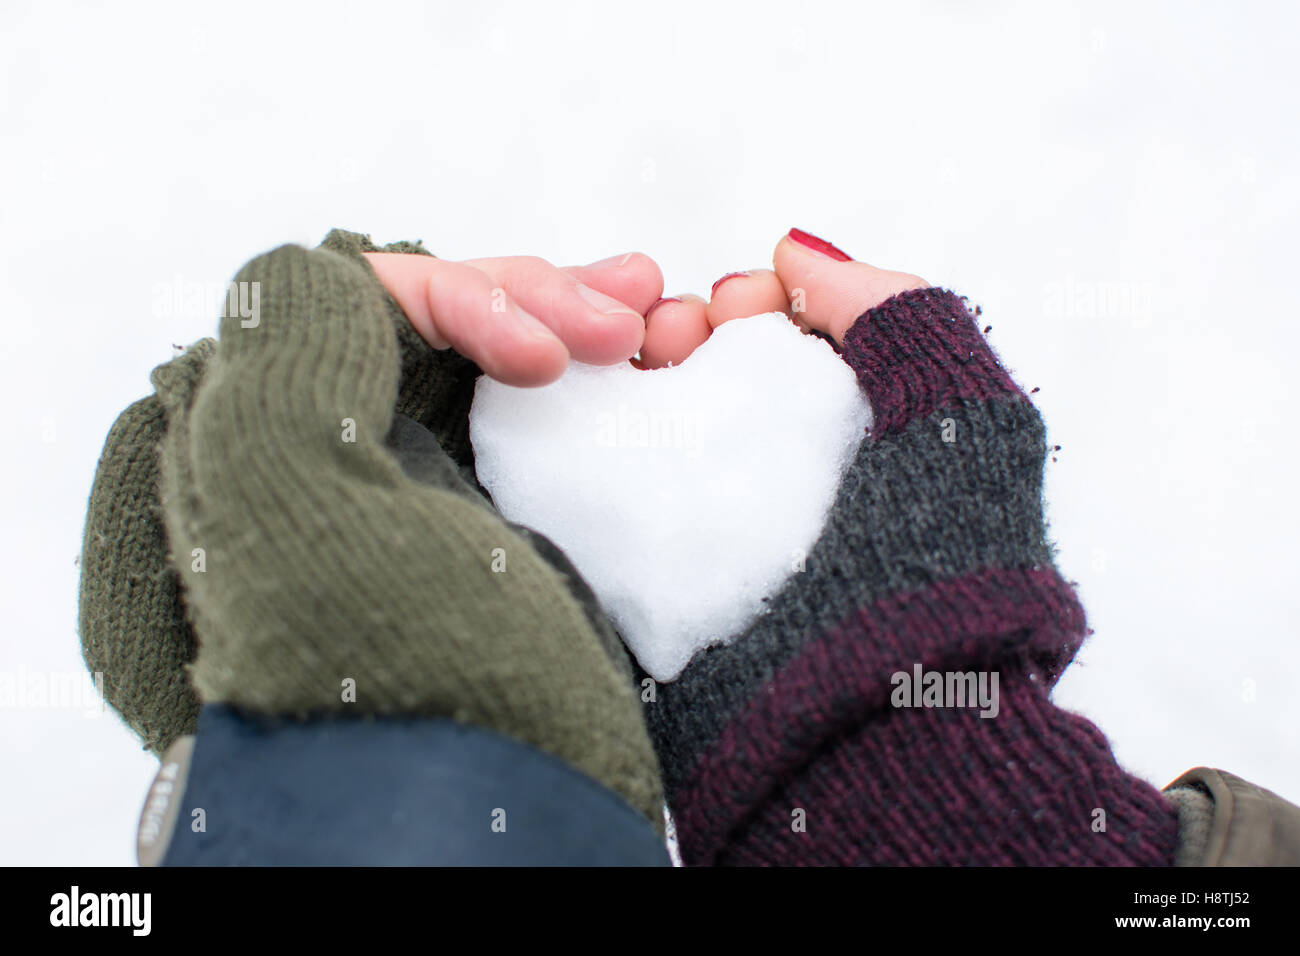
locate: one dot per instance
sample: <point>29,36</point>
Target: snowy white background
<point>1029,155</point>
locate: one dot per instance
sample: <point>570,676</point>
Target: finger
<point>829,289</point>
<point>675,328</point>
<point>595,328</point>
<point>633,279</point>
<point>456,305</point>
<point>742,294</point>
<point>406,277</point>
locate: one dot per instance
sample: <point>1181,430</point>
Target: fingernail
<point>613,262</point>
<point>819,246</point>
<point>603,303</point>
<point>660,302</point>
<point>729,275</point>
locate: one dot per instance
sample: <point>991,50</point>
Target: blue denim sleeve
<point>251,790</point>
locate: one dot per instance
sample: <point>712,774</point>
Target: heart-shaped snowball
<point>684,495</point>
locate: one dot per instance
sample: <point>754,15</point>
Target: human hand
<point>520,318</point>
<point>817,285</point>
<point>302,404</point>
<point>934,549</point>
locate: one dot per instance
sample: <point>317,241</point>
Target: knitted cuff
<point>1032,786</point>
<point>919,351</point>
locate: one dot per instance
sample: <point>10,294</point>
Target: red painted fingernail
<point>660,302</point>
<point>808,240</point>
<point>729,275</point>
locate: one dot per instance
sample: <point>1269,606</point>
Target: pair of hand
<point>521,319</point>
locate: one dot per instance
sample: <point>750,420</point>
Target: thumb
<point>827,288</point>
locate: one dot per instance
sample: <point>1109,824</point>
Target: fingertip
<point>739,295</point>
<point>675,327</point>
<point>633,278</point>
<point>645,267</point>
<point>607,338</point>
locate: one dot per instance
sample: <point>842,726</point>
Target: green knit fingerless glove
<point>132,621</point>
<point>320,577</point>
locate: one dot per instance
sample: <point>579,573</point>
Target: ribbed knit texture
<point>132,623</point>
<point>935,553</point>
<point>323,562</point>
<point>1195,819</point>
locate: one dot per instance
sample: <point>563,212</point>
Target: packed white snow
<point>683,495</point>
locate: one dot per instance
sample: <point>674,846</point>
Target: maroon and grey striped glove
<point>792,744</point>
